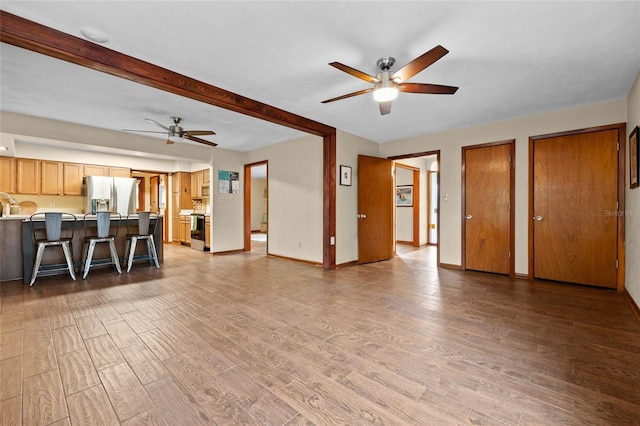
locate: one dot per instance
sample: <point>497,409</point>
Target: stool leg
<point>67,255</point>
<point>36,265</point>
<point>132,251</point>
<point>88,257</point>
<point>151,247</point>
<point>114,255</point>
<point>126,253</point>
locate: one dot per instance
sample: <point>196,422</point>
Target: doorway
<point>256,206</point>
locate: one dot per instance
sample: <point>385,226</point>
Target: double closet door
<point>574,200</point>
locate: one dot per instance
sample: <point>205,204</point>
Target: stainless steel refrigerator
<point>114,194</point>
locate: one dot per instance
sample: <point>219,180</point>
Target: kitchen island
<point>17,250</point>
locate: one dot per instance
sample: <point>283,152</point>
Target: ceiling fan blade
<point>435,89</point>
<point>354,72</point>
<point>142,131</point>
<point>418,64</point>
<point>203,141</point>
<point>199,132</point>
<point>158,124</point>
<point>348,95</point>
<point>385,107</point>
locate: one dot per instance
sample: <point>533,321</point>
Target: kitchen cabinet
<point>28,176</point>
<point>205,176</point>
<point>185,229</point>
<point>52,176</point>
<point>72,178</point>
<point>182,185</point>
<point>119,172</point>
<point>207,232</point>
<point>93,170</point>
<point>8,175</point>
<point>175,218</point>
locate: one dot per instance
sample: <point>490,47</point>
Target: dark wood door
<point>487,222</point>
<point>575,184</point>
<point>375,209</point>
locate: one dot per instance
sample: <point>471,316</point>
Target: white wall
<point>348,147</point>
<point>632,207</point>
<point>450,145</point>
<point>227,218</point>
<point>424,164</point>
<point>295,197</point>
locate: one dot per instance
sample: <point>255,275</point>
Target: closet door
<point>575,195</point>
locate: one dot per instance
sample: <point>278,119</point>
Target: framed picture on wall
<point>633,158</point>
<point>345,175</point>
<point>404,195</point>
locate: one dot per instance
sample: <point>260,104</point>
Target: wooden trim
<point>329,202</point>
<point>415,209</point>
<point>293,259</point>
<point>226,252</point>
<point>521,276</point>
<point>450,266</point>
<point>622,139</point>
<point>347,264</point>
<point>632,304</point>
<point>409,243</point>
<point>38,38</point>
<point>512,201</point>
<point>247,208</point>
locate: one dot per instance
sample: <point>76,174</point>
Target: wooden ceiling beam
<point>32,36</point>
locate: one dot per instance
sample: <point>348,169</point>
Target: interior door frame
<point>512,200</point>
<point>415,208</point>
<point>427,154</point>
<point>247,201</point>
<point>622,136</point>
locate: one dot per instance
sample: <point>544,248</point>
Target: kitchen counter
<point>18,251</point>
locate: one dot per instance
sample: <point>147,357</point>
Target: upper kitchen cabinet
<point>181,185</point>
<point>72,178</point>
<point>92,170</point>
<point>52,176</point>
<point>8,175</point>
<point>119,172</point>
<point>28,176</point>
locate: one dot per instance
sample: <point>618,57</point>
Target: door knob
<point>538,218</point>
<point>468,217</point>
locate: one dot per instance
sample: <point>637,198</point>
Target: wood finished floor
<point>246,339</point>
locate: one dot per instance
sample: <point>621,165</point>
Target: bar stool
<point>103,223</point>
<point>53,237</point>
<point>147,222</point>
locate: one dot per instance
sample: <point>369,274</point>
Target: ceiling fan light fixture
<point>385,94</point>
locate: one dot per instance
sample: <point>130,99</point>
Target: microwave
<point>205,190</point>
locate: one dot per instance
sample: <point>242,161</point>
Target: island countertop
<point>17,248</point>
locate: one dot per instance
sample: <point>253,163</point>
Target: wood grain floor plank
<point>67,339</point>
<point>127,395</point>
<point>39,351</point>
<point>11,411</point>
<point>176,404</point>
<point>138,321</point>
<point>103,352</point>
<point>90,326</point>
<point>77,371</point>
<point>91,407</point>
<point>10,378</point>
<point>122,334</point>
<point>10,344</point>
<point>144,363</point>
<point>44,401</point>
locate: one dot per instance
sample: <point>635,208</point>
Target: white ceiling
<point>509,59</point>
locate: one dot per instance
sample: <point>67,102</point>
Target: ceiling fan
<point>175,132</point>
<point>386,85</point>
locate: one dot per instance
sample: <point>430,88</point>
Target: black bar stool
<point>103,224</point>
<point>147,222</point>
<point>53,237</point>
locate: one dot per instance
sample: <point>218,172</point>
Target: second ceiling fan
<point>387,85</point>
<point>176,132</point>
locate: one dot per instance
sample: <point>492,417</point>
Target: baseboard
<point>404,242</point>
<point>521,276</point>
<point>450,266</point>
<point>223,253</point>
<point>632,304</point>
<point>308,262</point>
<point>347,264</point>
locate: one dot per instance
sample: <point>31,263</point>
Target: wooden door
<point>487,230</point>
<point>154,184</point>
<point>575,184</point>
<point>375,209</point>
